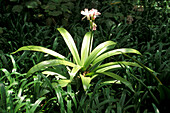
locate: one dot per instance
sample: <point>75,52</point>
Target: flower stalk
<point>91,16</point>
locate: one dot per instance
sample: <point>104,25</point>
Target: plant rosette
<point>88,64</point>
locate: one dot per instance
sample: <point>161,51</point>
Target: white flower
<point>94,13</point>
<point>86,13</point>
<point>91,16</point>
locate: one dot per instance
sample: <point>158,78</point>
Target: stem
<point>91,39</point>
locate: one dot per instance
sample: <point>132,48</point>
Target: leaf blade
<point>70,43</point>
<point>85,47</point>
<point>99,50</point>
<point>86,82</point>
<point>48,63</point>
<point>117,77</point>
<point>36,104</point>
<point>115,52</point>
<point>114,65</point>
<point>40,49</point>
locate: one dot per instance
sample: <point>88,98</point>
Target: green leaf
<point>14,64</point>
<point>3,98</point>
<point>74,71</point>
<point>54,73</point>
<point>20,103</point>
<point>36,104</point>
<point>48,82</point>
<point>85,47</point>
<point>72,95</point>
<point>114,52</point>
<point>146,68</point>
<point>99,50</point>
<point>69,104</point>
<point>63,83</point>
<point>7,74</point>
<point>48,63</point>
<point>86,82</point>
<point>40,49</point>
<point>43,92</point>
<point>117,77</point>
<point>70,43</point>
<point>155,108</point>
<point>58,92</point>
<point>115,65</point>
<point>109,68</point>
<point>69,110</point>
<point>122,99</point>
<point>164,92</point>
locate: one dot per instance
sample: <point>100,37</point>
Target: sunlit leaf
<point>114,52</point>
<point>70,43</point>
<point>54,73</point>
<point>36,104</point>
<point>40,49</point>
<point>98,51</point>
<point>48,63</point>
<point>74,71</point>
<point>86,81</point>
<point>63,83</point>
<point>85,48</point>
<point>115,65</point>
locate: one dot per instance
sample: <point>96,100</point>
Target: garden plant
<point>94,69</point>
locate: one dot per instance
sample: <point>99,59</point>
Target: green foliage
<point>34,22</point>
<point>86,65</point>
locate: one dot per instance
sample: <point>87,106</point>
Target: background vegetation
<point>142,25</point>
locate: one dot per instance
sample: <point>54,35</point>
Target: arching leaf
<point>40,49</point>
<point>70,43</point>
<point>48,63</point>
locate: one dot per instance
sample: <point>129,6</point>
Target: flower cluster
<point>91,16</point>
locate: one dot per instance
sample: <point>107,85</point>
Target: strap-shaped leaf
<point>114,52</point>
<point>85,48</point>
<point>99,50</point>
<point>3,96</point>
<point>114,65</point>
<point>54,73</point>
<point>20,103</point>
<point>74,71</point>
<point>63,83</point>
<point>117,77</point>
<point>36,104</point>
<point>40,49</point>
<point>86,81</point>
<point>48,63</point>
<point>70,43</point>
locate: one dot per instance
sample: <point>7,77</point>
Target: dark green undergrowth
<point>34,22</point>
